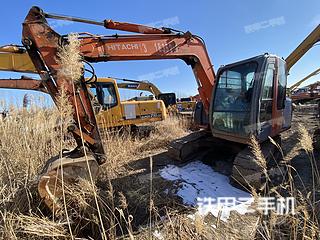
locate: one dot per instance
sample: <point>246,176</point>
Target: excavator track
<point>185,148</point>
<point>61,172</point>
<point>247,171</point>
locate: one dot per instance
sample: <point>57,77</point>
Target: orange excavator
<point>244,99</point>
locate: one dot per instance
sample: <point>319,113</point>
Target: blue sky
<point>232,29</point>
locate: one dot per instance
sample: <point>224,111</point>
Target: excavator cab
<point>105,93</point>
<point>111,112</point>
<point>250,99</point>
<point>169,99</point>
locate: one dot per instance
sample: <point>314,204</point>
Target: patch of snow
<point>192,216</point>
<point>158,235</point>
<point>200,183</point>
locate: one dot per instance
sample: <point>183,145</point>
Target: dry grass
<point>29,138</point>
<point>257,153</point>
<point>304,224</point>
<point>123,148</point>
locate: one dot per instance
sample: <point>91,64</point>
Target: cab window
<point>267,94</point>
<point>232,101</point>
<point>105,94</point>
<point>282,82</point>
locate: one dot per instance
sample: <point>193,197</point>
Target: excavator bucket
<point>61,172</point>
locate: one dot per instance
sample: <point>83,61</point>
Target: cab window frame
<point>100,88</point>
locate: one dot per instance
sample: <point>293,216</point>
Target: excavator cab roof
<point>258,58</point>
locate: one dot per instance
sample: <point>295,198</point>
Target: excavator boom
<point>187,47</point>
<point>303,48</point>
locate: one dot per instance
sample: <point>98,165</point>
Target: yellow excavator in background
<point>169,99</point>
<point>183,105</point>
<point>186,105</point>
<point>110,110</point>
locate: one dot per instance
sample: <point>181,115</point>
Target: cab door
<point>272,117</point>
<point>279,103</point>
<point>267,100</point>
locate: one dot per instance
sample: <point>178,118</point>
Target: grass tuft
<point>70,59</point>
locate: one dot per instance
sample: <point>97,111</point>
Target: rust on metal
<point>42,44</point>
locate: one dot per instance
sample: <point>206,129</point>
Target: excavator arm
<point>310,41</point>
<point>42,45</point>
